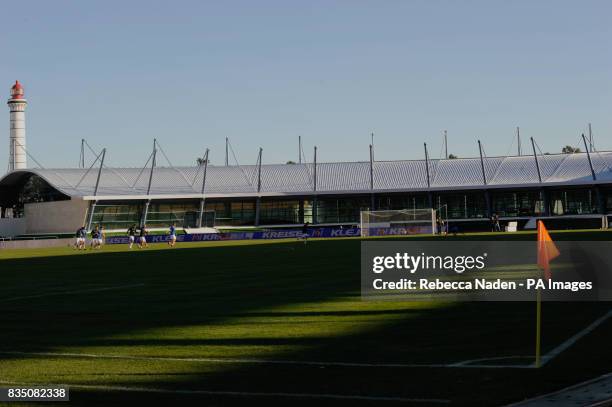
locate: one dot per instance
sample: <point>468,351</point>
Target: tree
<point>570,150</point>
<point>290,162</point>
<point>452,156</point>
<point>201,161</point>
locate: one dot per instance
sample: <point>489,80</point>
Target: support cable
<point>246,177</point>
<point>95,153</point>
<point>173,167</point>
<point>41,166</point>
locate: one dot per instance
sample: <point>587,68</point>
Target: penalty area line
<point>232,393</point>
<point>86,290</point>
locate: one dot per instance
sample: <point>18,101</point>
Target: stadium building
<point>572,190</point>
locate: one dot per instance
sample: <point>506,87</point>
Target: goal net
<point>398,222</point>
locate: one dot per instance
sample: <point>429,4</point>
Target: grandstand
<point>573,190</point>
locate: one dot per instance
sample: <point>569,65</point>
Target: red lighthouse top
<point>17,91</point>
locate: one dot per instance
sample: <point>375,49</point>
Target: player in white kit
<point>131,235</point>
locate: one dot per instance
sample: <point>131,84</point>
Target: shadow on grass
<point>221,286</point>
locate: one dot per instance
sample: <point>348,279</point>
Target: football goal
<point>398,222</point>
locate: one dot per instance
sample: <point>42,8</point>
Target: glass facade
<point>469,205</point>
<point>233,213</point>
<point>385,202</point>
<point>280,212</point>
<point>341,210</point>
<point>30,189</point>
<point>121,215</point>
<point>36,189</point>
<point>164,214</point>
<point>117,215</point>
<point>517,204</point>
<point>573,202</point>
<point>307,217</point>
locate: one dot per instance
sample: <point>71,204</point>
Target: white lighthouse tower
<point>17,105</point>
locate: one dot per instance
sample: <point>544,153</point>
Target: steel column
<point>203,200</point>
<point>258,202</point>
<point>93,205</point>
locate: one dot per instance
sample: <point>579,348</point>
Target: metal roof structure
<point>331,178</point>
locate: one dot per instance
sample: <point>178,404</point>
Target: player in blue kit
<point>80,238</point>
<point>172,241</point>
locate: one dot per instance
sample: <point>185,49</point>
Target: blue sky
<point>262,73</point>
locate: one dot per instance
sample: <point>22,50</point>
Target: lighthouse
<point>17,147</point>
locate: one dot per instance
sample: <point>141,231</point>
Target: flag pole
<point>547,251</point>
<point>538,328</point>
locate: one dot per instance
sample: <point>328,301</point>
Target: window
<point>573,202</point>
<point>515,204</point>
<point>279,212</point>
<point>463,205</point>
<point>164,214</point>
<point>117,215</point>
<point>402,202</point>
<point>341,210</point>
<point>232,213</point>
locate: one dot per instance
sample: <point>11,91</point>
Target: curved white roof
<point>345,177</point>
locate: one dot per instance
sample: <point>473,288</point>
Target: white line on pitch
<point>276,361</point>
<point>86,290</point>
<point>572,340</point>
<point>232,393</point>
<point>474,363</point>
<point>224,360</point>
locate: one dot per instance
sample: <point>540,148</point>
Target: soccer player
<point>172,241</point>
<point>131,233</point>
<point>95,238</point>
<point>142,242</point>
<point>83,238</point>
<point>102,235</point>
<point>77,241</point>
<point>496,224</point>
<point>305,232</point>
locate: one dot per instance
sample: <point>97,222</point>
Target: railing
<point>15,238</point>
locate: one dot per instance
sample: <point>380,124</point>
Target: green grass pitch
<point>215,323</point>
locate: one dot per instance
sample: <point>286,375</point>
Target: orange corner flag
<point>547,250</point>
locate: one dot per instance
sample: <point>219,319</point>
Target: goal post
<point>398,222</point>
